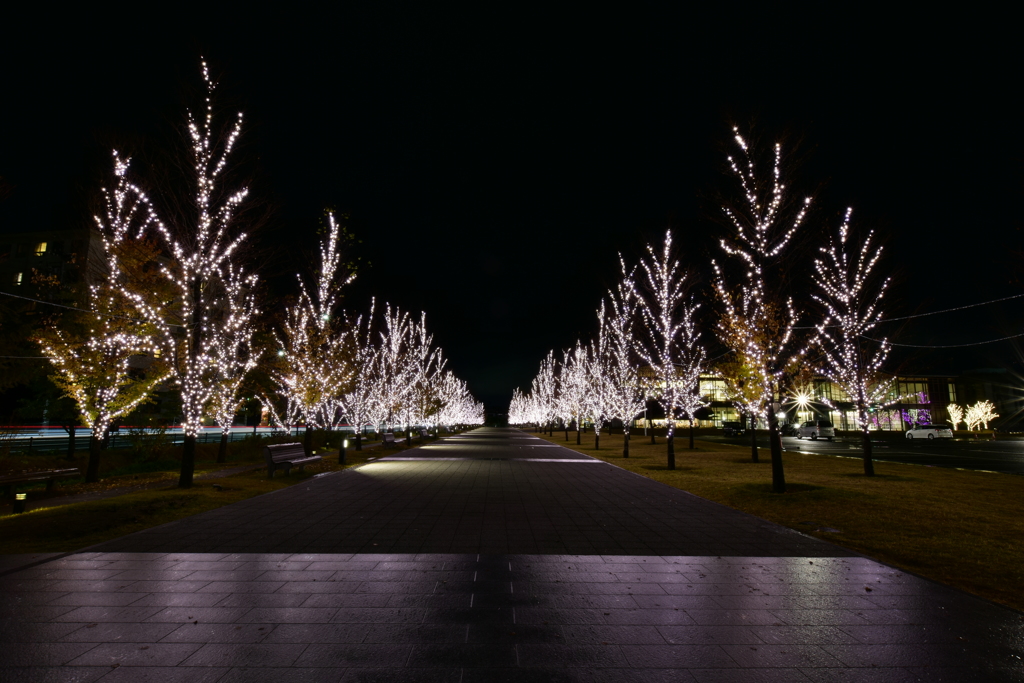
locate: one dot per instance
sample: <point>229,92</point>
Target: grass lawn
<point>80,525</point>
<point>963,529</point>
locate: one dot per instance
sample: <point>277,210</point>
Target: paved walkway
<point>490,556</point>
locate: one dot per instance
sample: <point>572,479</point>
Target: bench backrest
<point>389,437</point>
<point>284,452</point>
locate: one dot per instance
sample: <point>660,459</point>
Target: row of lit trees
<point>335,366</point>
<point>172,304</point>
<point>649,344</point>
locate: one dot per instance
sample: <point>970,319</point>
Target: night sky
<point>494,163</point>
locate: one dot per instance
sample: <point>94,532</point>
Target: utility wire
<point>82,310</point>
<point>945,346</point>
<point>958,308</point>
<point>923,315</point>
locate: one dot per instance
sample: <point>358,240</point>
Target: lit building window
<point>952,393</point>
<point>17,279</point>
<point>40,248</point>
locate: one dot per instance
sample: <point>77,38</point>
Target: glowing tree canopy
<point>233,353</point>
<point>956,414</point>
<point>670,343</point>
<point>113,365</point>
<point>573,386</point>
<point>201,246</point>
<point>757,321</point>
<point>853,307</point>
<point>313,361</point>
<point>626,397</point>
<point>980,414</point>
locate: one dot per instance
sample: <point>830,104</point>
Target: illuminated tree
<point>425,362</point>
<point>956,414</point>
<point>980,414</point>
<point>573,388</point>
<point>853,307</point>
<point>596,372</point>
<point>360,396</point>
<point>313,365</point>
<point>395,374</point>
<point>757,321</point>
<point>201,245</point>
<point>670,345</point>
<point>626,399</point>
<point>111,366</point>
<point>544,392</point>
<point>233,354</point>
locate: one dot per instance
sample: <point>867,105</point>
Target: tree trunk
<point>188,462</point>
<point>222,452</point>
<point>597,440</point>
<point>92,471</point>
<point>307,441</point>
<point>670,438</point>
<point>652,436</point>
<point>869,464</point>
<point>71,442</point>
<point>625,443</point>
<point>578,442</point>
<point>567,432</point>
<point>778,474</point>
<point>753,439</point>
<point>691,433</point>
<point>359,439</point>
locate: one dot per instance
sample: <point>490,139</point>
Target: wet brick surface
<point>494,568</point>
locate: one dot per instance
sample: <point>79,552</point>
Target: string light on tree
<point>671,343</point>
<point>853,307</point>
<point>757,320</point>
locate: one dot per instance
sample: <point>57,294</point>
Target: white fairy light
<point>626,398</point>
<point>980,414</point>
<point>314,367</point>
<point>756,322</point>
<point>848,358</point>
<point>96,369</point>
<point>956,414</point>
<point>671,344</point>
<point>202,250</point>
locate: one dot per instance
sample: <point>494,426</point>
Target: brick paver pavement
<point>490,556</point>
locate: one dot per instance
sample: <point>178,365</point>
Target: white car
<point>816,429</point>
<point>933,431</point>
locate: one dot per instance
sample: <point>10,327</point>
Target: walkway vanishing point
<point>489,556</point>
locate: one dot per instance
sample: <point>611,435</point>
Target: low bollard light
<point>342,452</point>
<point>19,503</point>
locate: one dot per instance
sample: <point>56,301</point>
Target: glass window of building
<point>40,248</point>
<point>912,390</point>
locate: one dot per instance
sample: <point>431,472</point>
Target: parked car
<point>938,430</point>
<point>733,428</point>
<point>816,429</point>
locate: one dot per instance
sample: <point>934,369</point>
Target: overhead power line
<point>924,315</point>
<point>81,310</point>
<point>946,346</point>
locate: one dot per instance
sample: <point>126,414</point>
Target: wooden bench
<point>8,483</point>
<point>388,439</point>
<point>285,456</point>
<point>423,434</point>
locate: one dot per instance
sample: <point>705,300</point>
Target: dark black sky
<point>495,162</point>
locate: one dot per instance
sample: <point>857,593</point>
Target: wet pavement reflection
<point>167,605</point>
